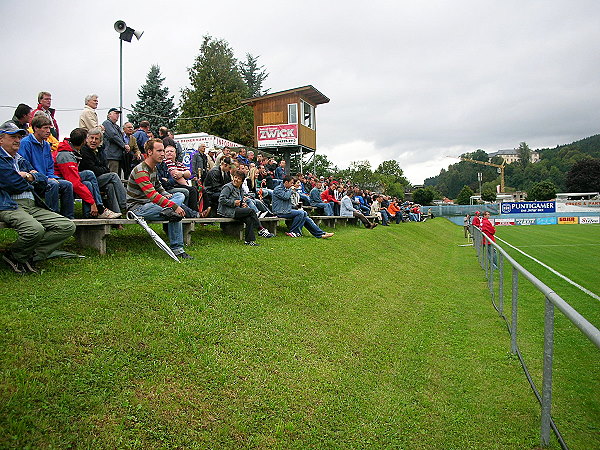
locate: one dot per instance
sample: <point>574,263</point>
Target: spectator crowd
<point>115,169</point>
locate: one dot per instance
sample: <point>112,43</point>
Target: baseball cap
<point>114,110</point>
<point>10,128</point>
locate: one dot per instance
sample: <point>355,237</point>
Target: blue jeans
<point>327,208</point>
<point>151,211</point>
<point>300,219</point>
<point>63,189</point>
<point>116,195</point>
<point>88,178</point>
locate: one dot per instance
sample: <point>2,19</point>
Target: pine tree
<point>253,75</point>
<point>153,103</point>
<point>216,87</point>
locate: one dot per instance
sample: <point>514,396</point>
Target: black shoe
<point>15,265</point>
<point>184,255</point>
<point>170,215</point>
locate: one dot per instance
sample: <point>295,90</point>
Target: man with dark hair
<point>231,204</point>
<point>178,147</point>
<point>282,207</point>
<point>147,198</point>
<point>141,134</point>
<point>35,149</point>
<point>93,158</point>
<point>85,184</point>
<point>39,231</point>
<point>44,102</point>
<point>216,178</point>
<point>317,202</point>
<point>115,146</point>
<point>23,116</point>
<point>200,163</point>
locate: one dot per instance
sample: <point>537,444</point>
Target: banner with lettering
<point>277,135</point>
<point>527,207</point>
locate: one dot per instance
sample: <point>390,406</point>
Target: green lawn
<point>382,338</point>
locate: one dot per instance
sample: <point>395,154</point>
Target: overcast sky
<point>411,80</point>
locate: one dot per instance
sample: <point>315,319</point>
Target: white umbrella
<point>131,215</point>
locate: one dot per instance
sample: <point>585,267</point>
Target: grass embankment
<point>382,338</point>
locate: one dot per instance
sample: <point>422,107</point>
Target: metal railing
<point>492,258</point>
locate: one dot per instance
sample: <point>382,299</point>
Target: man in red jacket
<point>489,230</point>
<point>85,184</point>
<point>44,102</point>
<point>476,222</point>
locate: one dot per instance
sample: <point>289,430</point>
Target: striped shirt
<point>143,187</point>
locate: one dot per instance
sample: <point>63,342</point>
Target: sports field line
<point>568,280</point>
<point>559,245</point>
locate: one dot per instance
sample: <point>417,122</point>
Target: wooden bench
<point>332,221</point>
<point>92,233</point>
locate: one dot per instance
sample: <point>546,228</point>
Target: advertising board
<point>504,222</point>
<point>587,220</point>
<point>527,207</point>
<point>546,221</point>
<point>529,221</point>
<point>277,135</point>
<point>568,220</point>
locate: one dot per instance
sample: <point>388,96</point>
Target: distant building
<point>510,156</point>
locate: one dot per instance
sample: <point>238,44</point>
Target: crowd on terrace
<point>115,169</point>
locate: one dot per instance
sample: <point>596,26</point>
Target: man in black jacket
<point>93,158</point>
<point>216,178</point>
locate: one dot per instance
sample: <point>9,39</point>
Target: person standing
<point>39,231</point>
<point>467,225</point>
<point>44,102</point>
<point>89,118</point>
<point>141,134</point>
<point>489,230</point>
<point>114,146</point>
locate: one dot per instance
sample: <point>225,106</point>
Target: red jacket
<point>488,229</point>
<point>327,196</point>
<point>54,123</point>
<point>476,222</point>
<point>67,167</point>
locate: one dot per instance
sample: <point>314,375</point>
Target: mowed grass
<point>382,338</point>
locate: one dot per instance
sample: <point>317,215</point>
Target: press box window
<point>293,113</point>
<point>308,114</point>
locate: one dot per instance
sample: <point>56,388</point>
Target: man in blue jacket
<point>39,230</point>
<point>282,207</point>
<point>115,146</point>
<point>35,149</point>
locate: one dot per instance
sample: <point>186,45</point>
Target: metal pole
<point>515,301</point>
<point>121,82</point>
<point>500,283</point>
<point>547,379</point>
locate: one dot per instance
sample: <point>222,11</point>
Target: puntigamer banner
<point>528,207</point>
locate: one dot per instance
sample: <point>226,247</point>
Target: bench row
<point>92,233</point>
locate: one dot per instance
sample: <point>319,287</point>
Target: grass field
<point>380,339</point>
<point>572,250</point>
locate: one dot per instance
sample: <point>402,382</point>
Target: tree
<point>360,173</point>
<point>391,168</point>
<point>216,91</point>
<point>424,196</point>
<point>584,176</point>
<point>544,190</point>
<point>464,196</point>
<point>321,166</point>
<point>488,195</point>
<point>154,103</point>
<point>524,153</point>
<point>253,75</point>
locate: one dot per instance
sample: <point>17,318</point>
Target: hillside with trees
<point>555,166</point>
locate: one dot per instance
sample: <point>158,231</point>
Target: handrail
<point>488,263</point>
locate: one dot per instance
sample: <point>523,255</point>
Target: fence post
<point>547,374</point>
<point>500,283</point>
<point>515,301</point>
